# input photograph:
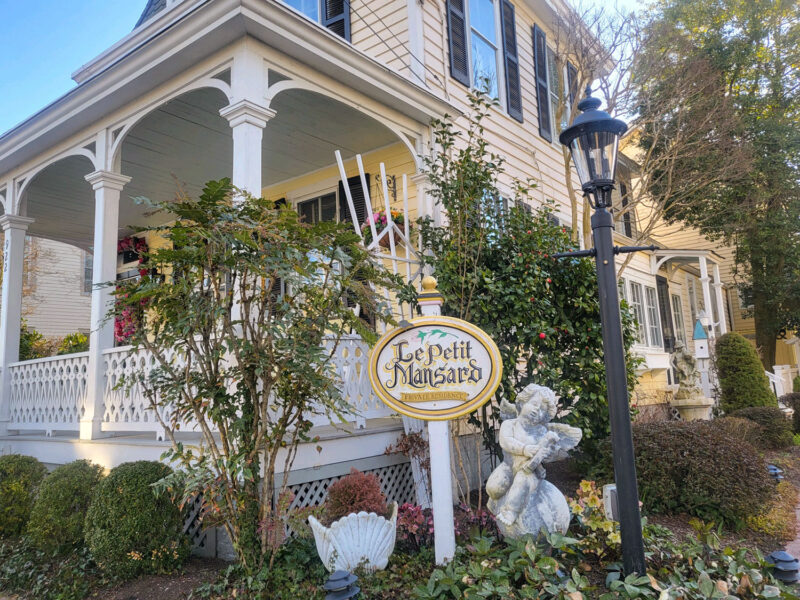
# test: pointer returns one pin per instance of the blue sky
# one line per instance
(43, 42)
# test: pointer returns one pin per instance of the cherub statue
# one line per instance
(688, 377)
(522, 501)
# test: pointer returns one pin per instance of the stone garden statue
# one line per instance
(522, 501)
(687, 375)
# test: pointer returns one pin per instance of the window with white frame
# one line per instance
(555, 82)
(677, 319)
(653, 318)
(484, 40)
(636, 303)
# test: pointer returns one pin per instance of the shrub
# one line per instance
(796, 384)
(129, 528)
(33, 344)
(32, 573)
(697, 468)
(74, 342)
(793, 401)
(743, 429)
(354, 493)
(777, 431)
(20, 477)
(742, 380)
(59, 511)
(780, 520)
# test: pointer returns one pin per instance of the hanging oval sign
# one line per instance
(436, 368)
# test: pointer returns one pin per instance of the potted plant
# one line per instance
(381, 222)
(359, 527)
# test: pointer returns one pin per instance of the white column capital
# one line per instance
(107, 179)
(420, 179)
(14, 222)
(248, 112)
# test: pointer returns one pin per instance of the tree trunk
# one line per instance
(766, 336)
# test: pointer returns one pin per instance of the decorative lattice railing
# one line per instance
(48, 393)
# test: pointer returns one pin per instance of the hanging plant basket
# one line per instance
(379, 218)
(132, 248)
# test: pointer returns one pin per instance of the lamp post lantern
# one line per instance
(593, 140)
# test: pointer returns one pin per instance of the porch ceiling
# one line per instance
(186, 143)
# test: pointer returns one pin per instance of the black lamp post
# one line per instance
(593, 140)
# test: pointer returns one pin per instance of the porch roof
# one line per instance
(682, 257)
(178, 37)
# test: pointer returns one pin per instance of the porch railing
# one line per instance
(50, 393)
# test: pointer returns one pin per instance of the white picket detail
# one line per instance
(48, 393)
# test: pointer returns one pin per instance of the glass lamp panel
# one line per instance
(598, 155)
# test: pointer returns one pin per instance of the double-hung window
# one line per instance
(552, 82)
(643, 302)
(483, 49)
(316, 210)
(333, 14)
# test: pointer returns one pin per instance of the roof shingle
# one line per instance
(153, 6)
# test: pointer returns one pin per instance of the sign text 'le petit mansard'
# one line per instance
(436, 368)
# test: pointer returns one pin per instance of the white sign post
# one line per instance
(436, 369)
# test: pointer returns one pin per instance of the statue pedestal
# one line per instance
(695, 408)
(547, 509)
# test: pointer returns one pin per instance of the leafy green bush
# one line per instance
(35, 574)
(74, 342)
(743, 429)
(793, 401)
(697, 468)
(742, 381)
(777, 431)
(20, 477)
(32, 344)
(796, 384)
(59, 511)
(129, 528)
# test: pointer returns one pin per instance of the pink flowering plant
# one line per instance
(380, 220)
(415, 526)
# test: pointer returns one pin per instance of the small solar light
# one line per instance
(341, 586)
(786, 567)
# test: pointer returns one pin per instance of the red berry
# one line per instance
(532, 298)
(529, 231)
(542, 336)
(549, 280)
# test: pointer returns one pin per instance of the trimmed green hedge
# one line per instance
(742, 380)
(793, 401)
(696, 467)
(132, 530)
(59, 512)
(20, 477)
(777, 431)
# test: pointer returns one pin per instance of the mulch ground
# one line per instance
(166, 587)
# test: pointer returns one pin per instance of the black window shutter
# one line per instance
(542, 93)
(667, 327)
(336, 17)
(280, 203)
(627, 222)
(457, 34)
(359, 200)
(572, 83)
(513, 93)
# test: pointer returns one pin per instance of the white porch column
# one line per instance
(247, 120)
(107, 188)
(719, 298)
(14, 230)
(705, 280)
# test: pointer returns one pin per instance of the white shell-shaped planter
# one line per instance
(359, 539)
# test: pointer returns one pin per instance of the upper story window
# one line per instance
(483, 49)
(333, 14)
(552, 81)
